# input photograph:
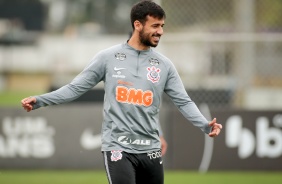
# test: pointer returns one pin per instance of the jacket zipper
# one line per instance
(138, 63)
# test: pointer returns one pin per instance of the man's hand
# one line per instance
(163, 145)
(27, 103)
(215, 128)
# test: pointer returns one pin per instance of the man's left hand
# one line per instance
(216, 128)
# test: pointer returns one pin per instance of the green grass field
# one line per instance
(171, 177)
(12, 99)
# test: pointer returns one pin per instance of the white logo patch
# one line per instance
(118, 71)
(120, 56)
(116, 155)
(133, 141)
(154, 155)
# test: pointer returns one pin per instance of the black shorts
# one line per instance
(127, 168)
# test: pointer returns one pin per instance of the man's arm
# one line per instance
(175, 90)
(163, 145)
(87, 79)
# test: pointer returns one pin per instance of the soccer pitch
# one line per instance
(171, 177)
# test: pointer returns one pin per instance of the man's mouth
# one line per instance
(156, 38)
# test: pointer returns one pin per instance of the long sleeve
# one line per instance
(86, 80)
(175, 90)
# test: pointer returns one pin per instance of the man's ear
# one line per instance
(137, 25)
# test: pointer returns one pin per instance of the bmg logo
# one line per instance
(266, 142)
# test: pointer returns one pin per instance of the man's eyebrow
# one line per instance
(156, 24)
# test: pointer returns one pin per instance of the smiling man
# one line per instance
(147, 28)
(135, 77)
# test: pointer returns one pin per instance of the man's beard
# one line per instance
(145, 39)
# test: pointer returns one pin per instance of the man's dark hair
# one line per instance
(141, 9)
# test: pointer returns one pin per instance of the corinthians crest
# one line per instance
(116, 155)
(153, 74)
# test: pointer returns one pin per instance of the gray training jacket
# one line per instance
(134, 82)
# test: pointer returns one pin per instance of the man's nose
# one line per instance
(160, 31)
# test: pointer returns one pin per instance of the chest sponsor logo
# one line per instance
(153, 74)
(118, 69)
(125, 83)
(131, 140)
(118, 72)
(120, 56)
(134, 96)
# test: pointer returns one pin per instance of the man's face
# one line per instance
(151, 32)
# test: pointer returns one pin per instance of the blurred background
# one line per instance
(227, 52)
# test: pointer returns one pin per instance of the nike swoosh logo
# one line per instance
(89, 141)
(117, 69)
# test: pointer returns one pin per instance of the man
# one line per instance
(135, 77)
